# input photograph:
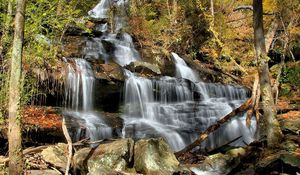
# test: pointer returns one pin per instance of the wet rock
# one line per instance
(154, 156)
(219, 163)
(288, 162)
(108, 72)
(56, 155)
(290, 122)
(144, 68)
(107, 158)
(73, 46)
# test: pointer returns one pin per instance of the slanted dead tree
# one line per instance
(204, 135)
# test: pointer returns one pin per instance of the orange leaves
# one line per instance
(42, 117)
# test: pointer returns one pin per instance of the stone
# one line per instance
(282, 161)
(56, 155)
(219, 163)
(42, 172)
(154, 156)
(108, 72)
(144, 68)
(108, 158)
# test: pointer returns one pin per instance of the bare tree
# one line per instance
(14, 130)
(271, 125)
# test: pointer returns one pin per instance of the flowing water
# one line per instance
(113, 45)
(79, 112)
(176, 108)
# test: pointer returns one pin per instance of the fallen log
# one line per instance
(214, 127)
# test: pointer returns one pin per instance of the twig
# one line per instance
(28, 151)
(70, 147)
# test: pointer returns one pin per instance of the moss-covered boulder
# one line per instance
(56, 155)
(108, 158)
(154, 156)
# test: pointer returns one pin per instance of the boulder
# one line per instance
(56, 155)
(154, 156)
(282, 161)
(108, 72)
(217, 164)
(144, 68)
(108, 158)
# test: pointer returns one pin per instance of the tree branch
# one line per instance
(204, 135)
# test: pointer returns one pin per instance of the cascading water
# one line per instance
(177, 109)
(167, 107)
(182, 69)
(79, 87)
(114, 46)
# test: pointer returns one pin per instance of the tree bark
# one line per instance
(212, 11)
(14, 130)
(271, 125)
(271, 34)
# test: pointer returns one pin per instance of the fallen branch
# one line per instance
(70, 147)
(248, 7)
(218, 149)
(27, 151)
(214, 127)
(254, 96)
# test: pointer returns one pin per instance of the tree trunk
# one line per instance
(271, 125)
(212, 11)
(271, 34)
(14, 130)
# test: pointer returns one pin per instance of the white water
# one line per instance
(167, 107)
(182, 69)
(119, 45)
(79, 87)
(177, 109)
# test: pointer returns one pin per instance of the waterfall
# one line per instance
(176, 108)
(182, 69)
(168, 107)
(114, 46)
(79, 88)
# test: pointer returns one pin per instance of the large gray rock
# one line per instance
(219, 163)
(108, 158)
(56, 155)
(154, 156)
(144, 68)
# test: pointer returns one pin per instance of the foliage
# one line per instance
(45, 25)
(290, 79)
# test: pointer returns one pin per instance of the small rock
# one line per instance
(154, 156)
(42, 172)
